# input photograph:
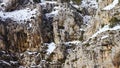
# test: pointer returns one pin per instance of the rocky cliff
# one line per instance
(50, 34)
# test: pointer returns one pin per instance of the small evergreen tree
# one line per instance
(77, 1)
(37, 1)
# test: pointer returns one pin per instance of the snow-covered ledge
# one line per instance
(19, 15)
(112, 5)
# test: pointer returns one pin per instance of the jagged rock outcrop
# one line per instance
(8, 5)
(101, 17)
(59, 35)
(20, 30)
(66, 26)
(99, 51)
(8, 60)
(101, 47)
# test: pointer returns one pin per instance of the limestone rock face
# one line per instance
(66, 27)
(47, 20)
(102, 17)
(59, 35)
(101, 46)
(7, 5)
(20, 30)
(8, 60)
(19, 33)
(99, 51)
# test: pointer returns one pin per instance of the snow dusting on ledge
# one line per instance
(89, 4)
(76, 42)
(112, 5)
(19, 15)
(106, 36)
(105, 28)
(50, 2)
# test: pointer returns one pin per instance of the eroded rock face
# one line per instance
(66, 27)
(19, 33)
(8, 5)
(101, 17)
(8, 60)
(59, 35)
(46, 25)
(100, 51)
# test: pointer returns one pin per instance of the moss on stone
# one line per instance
(102, 25)
(62, 60)
(87, 44)
(50, 57)
(36, 1)
(114, 21)
(74, 59)
(81, 38)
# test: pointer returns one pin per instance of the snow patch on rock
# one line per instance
(89, 4)
(105, 28)
(52, 14)
(14, 62)
(106, 36)
(30, 53)
(2, 61)
(73, 42)
(19, 15)
(86, 19)
(46, 2)
(51, 48)
(112, 5)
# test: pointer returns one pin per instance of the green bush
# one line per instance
(114, 21)
(74, 60)
(102, 25)
(36, 1)
(77, 1)
(62, 60)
